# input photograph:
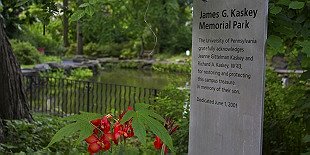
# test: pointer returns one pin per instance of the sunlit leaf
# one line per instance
(77, 15)
(296, 5)
(275, 10)
(275, 42)
(305, 47)
(90, 10)
(284, 2)
(84, 5)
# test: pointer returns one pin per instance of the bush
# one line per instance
(122, 50)
(33, 34)
(26, 53)
(81, 74)
(282, 134)
(22, 136)
(173, 102)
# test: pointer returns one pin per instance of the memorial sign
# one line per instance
(228, 63)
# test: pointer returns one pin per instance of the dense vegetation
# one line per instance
(114, 28)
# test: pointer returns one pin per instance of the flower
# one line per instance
(120, 130)
(95, 144)
(158, 143)
(103, 124)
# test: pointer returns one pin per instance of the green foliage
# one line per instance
(289, 30)
(92, 49)
(76, 74)
(122, 50)
(174, 102)
(144, 118)
(26, 53)
(281, 133)
(171, 100)
(81, 74)
(33, 34)
(22, 136)
(49, 58)
(81, 125)
(58, 73)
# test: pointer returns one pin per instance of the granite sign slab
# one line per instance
(228, 66)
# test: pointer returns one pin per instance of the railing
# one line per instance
(62, 97)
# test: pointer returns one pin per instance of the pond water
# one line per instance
(142, 78)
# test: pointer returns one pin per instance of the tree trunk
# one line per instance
(79, 36)
(65, 23)
(13, 103)
(44, 29)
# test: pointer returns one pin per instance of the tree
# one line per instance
(65, 23)
(13, 103)
(79, 36)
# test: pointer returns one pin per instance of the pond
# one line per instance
(142, 78)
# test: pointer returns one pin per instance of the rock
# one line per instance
(108, 60)
(279, 62)
(79, 58)
(54, 65)
(29, 72)
(42, 67)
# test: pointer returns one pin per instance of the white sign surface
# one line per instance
(228, 63)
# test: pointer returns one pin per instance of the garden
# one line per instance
(113, 77)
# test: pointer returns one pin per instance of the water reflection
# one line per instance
(142, 78)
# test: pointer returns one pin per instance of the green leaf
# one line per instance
(306, 139)
(139, 130)
(90, 10)
(20, 3)
(80, 123)
(158, 129)
(84, 116)
(142, 106)
(1, 6)
(305, 47)
(93, 1)
(275, 10)
(84, 5)
(284, 2)
(153, 114)
(86, 132)
(296, 5)
(274, 42)
(63, 132)
(129, 114)
(77, 15)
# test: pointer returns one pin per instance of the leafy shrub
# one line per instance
(173, 102)
(71, 50)
(282, 135)
(26, 53)
(22, 136)
(92, 49)
(81, 74)
(33, 34)
(76, 74)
